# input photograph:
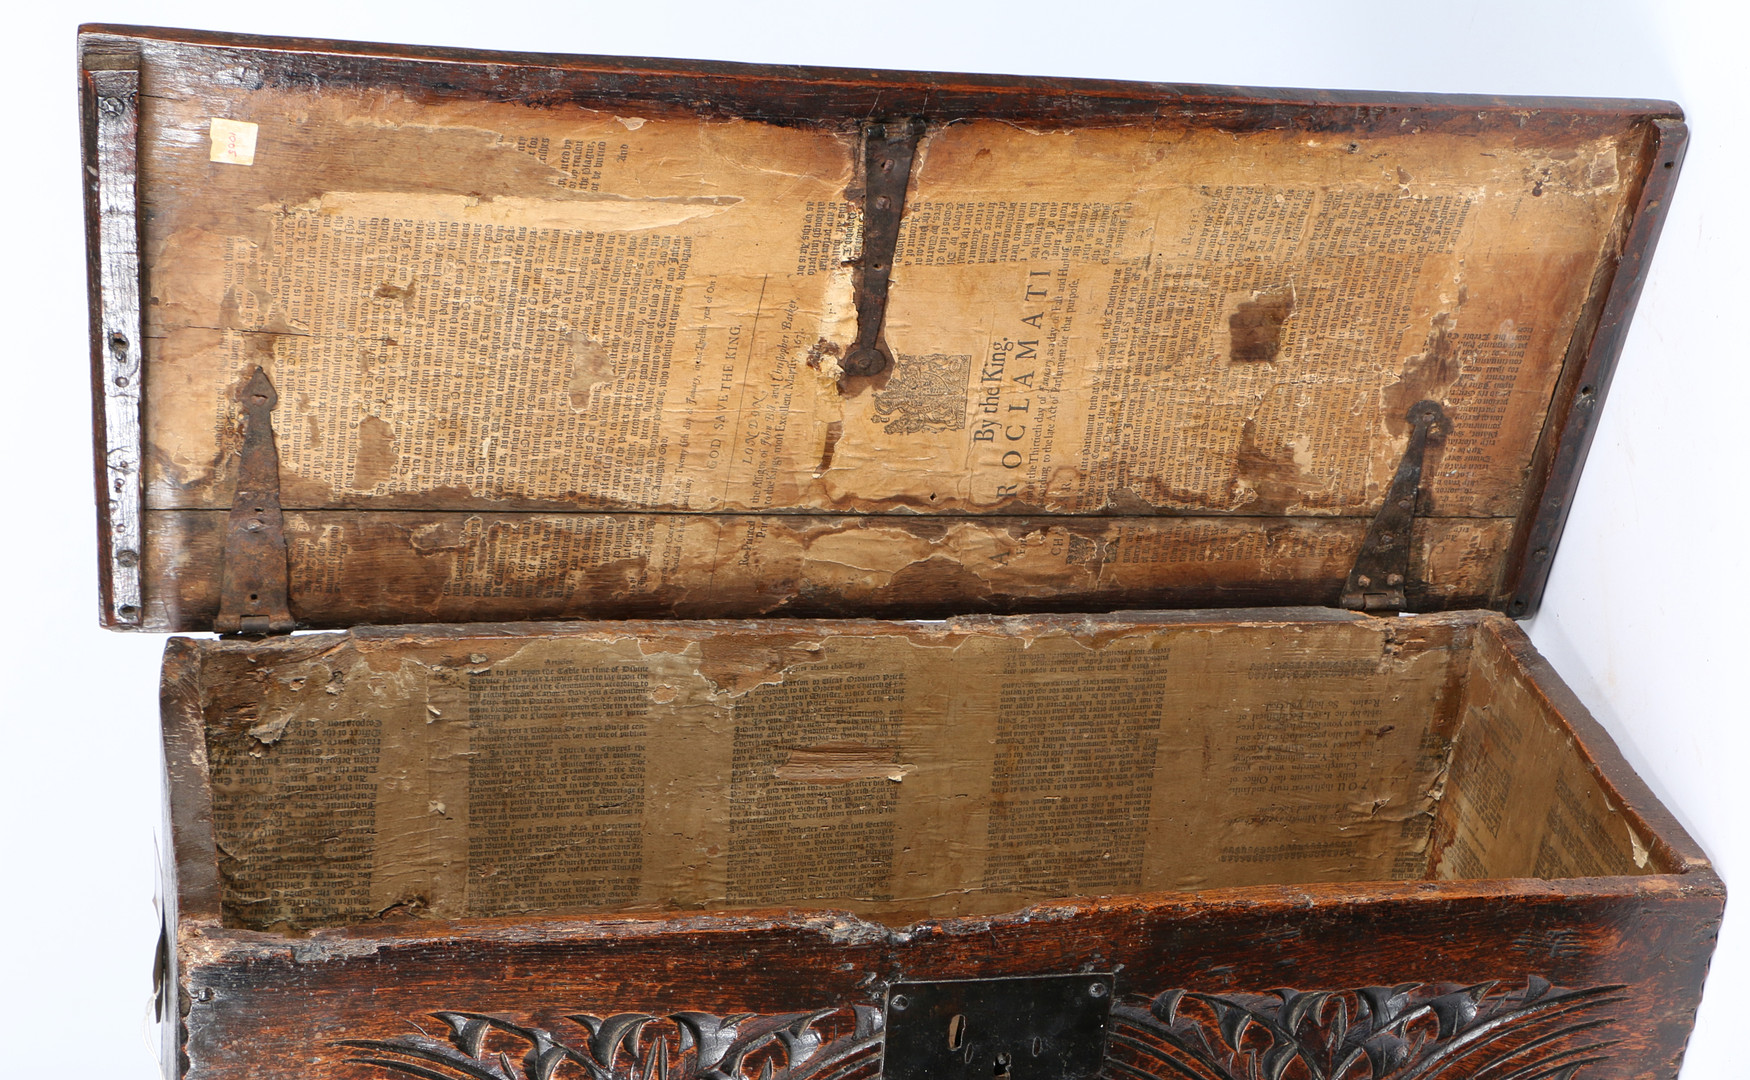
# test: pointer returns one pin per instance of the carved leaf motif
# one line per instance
(638, 1046)
(606, 1037)
(1411, 1031)
(467, 1032)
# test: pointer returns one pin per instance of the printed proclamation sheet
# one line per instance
(539, 334)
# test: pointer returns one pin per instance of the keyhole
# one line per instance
(957, 1031)
(1038, 1046)
(1002, 1065)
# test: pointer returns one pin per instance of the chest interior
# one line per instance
(897, 770)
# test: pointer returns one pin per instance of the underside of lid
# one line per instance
(560, 337)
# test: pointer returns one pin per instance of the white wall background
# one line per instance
(1645, 614)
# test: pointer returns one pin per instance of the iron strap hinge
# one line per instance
(888, 150)
(1382, 569)
(253, 588)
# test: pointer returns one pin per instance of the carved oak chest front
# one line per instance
(839, 574)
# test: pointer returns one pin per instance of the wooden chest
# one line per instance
(977, 523)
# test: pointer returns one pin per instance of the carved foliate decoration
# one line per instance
(1411, 1031)
(840, 1044)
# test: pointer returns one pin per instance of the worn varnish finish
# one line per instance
(1612, 166)
(363, 985)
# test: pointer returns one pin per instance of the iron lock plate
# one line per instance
(1045, 1027)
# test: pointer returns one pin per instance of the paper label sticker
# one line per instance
(233, 141)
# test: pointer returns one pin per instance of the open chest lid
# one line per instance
(387, 334)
